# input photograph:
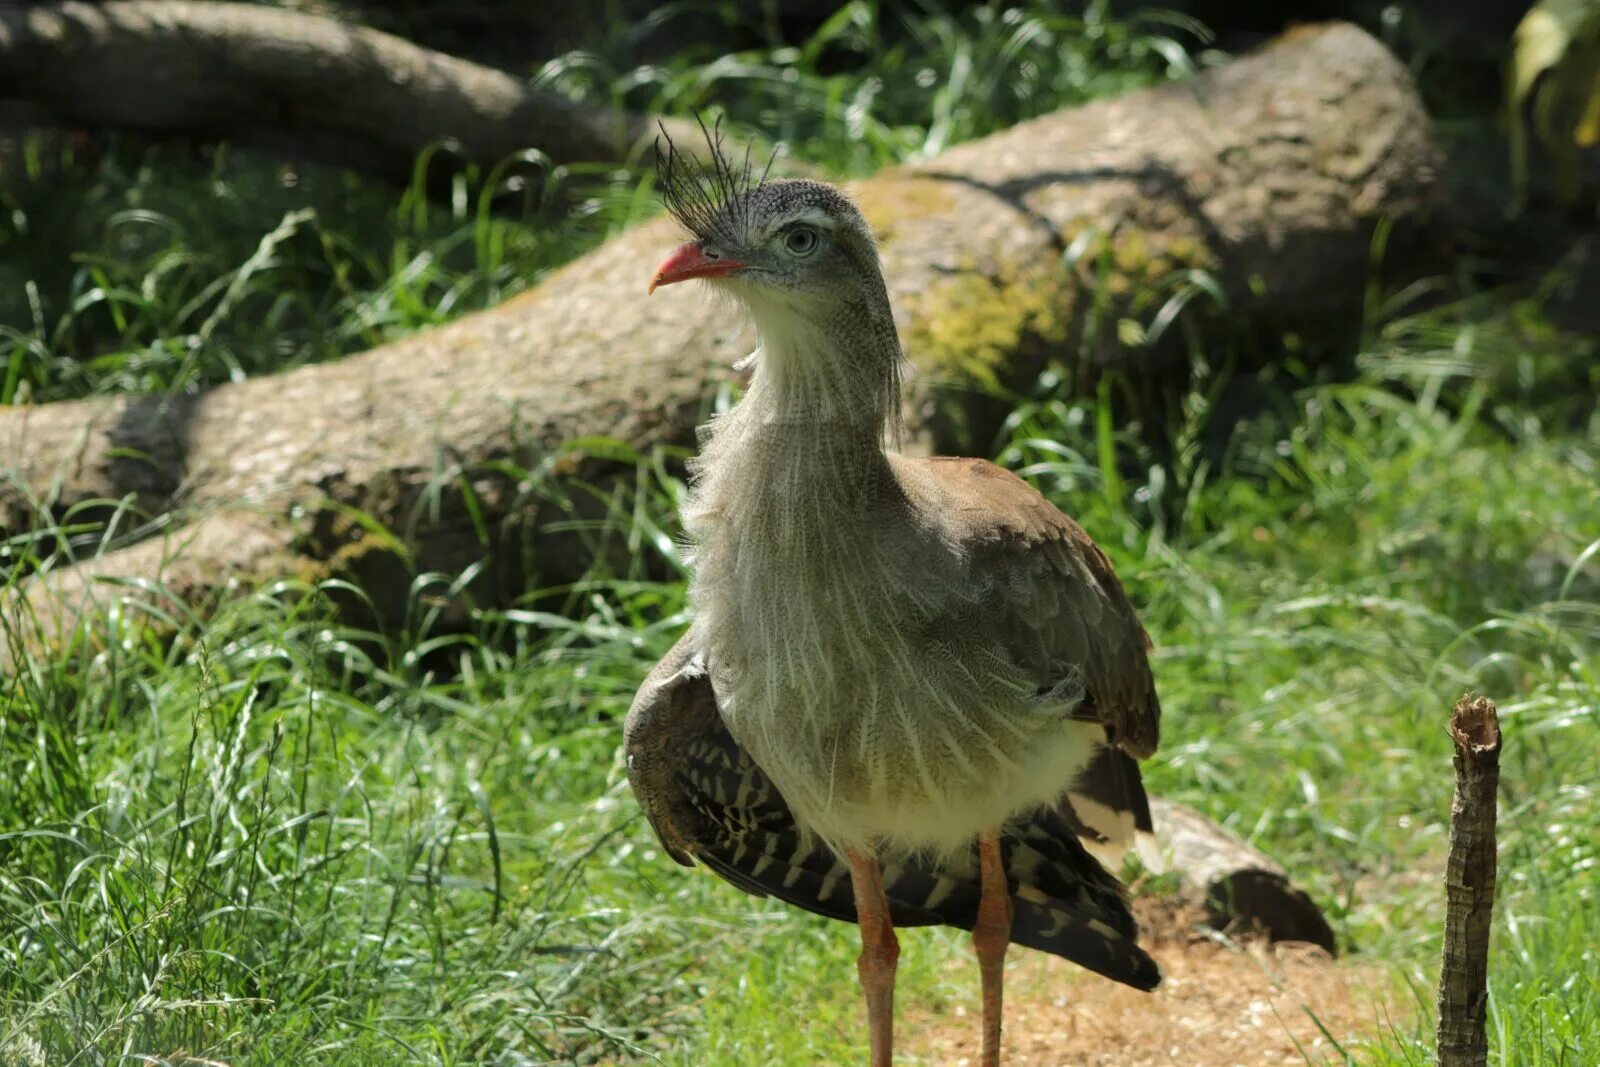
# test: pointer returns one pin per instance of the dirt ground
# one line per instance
(1221, 1005)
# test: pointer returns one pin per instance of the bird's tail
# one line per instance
(1065, 903)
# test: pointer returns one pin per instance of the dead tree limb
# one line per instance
(1238, 886)
(1270, 174)
(310, 86)
(1469, 884)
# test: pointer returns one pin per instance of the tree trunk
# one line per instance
(309, 86)
(1270, 174)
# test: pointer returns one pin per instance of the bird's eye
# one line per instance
(801, 241)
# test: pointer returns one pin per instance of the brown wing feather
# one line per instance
(1058, 600)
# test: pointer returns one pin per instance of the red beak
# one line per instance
(691, 261)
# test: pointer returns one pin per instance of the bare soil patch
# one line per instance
(1222, 1004)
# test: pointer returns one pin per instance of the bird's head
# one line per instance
(798, 255)
(791, 240)
(769, 243)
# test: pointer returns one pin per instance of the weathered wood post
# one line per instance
(1469, 884)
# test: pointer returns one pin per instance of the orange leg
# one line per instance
(990, 936)
(879, 953)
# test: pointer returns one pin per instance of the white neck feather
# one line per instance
(789, 482)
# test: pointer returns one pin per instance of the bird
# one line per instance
(912, 691)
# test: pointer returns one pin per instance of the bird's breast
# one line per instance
(881, 705)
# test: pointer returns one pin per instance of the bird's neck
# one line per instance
(824, 397)
(792, 493)
(840, 370)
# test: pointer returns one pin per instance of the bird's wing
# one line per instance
(1048, 590)
(1051, 594)
(708, 801)
(673, 709)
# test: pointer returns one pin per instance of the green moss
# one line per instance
(890, 198)
(972, 324)
(1135, 264)
(1140, 260)
(303, 569)
(1130, 252)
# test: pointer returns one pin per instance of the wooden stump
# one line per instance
(1469, 884)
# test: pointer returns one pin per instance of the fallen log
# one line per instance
(302, 84)
(1270, 174)
(1237, 887)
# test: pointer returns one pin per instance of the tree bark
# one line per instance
(306, 85)
(1270, 174)
(1469, 884)
(1238, 886)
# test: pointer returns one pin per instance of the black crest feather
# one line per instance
(711, 202)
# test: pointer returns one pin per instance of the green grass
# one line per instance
(271, 838)
(131, 268)
(870, 88)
